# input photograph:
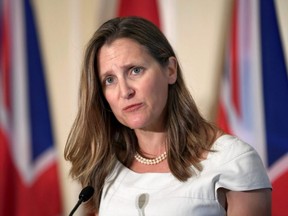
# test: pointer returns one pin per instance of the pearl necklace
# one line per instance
(153, 161)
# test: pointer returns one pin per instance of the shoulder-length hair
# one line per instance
(97, 140)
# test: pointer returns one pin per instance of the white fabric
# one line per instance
(235, 166)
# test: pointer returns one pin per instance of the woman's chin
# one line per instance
(135, 125)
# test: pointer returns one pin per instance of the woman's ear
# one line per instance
(172, 70)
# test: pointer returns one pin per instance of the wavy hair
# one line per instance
(97, 140)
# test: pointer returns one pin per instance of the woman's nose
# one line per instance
(126, 90)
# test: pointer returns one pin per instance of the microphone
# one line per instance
(84, 195)
(141, 203)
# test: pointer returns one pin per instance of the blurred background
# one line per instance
(234, 54)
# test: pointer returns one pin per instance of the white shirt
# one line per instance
(235, 166)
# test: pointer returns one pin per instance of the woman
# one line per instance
(141, 142)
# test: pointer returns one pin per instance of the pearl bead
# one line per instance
(153, 161)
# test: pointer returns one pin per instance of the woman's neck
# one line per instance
(151, 143)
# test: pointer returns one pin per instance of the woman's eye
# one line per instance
(137, 70)
(108, 80)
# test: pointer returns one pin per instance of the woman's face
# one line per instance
(134, 84)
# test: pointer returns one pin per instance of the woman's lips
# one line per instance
(132, 107)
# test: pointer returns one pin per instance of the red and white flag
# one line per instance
(28, 170)
(160, 12)
(147, 9)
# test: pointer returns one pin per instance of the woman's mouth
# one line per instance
(133, 107)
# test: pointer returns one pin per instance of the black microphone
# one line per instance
(84, 195)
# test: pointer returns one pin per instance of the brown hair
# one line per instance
(97, 140)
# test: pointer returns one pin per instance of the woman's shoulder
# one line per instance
(231, 151)
(237, 165)
(228, 147)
